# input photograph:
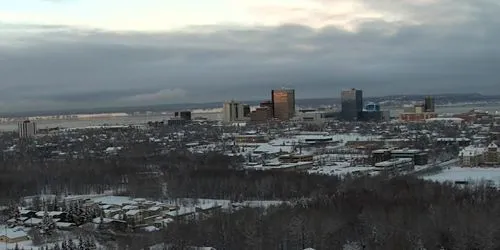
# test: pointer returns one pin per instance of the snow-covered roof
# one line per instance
(33, 221)
(133, 212)
(150, 229)
(182, 211)
(206, 206)
(472, 151)
(51, 213)
(12, 233)
(154, 209)
(114, 200)
(64, 224)
(451, 119)
(273, 149)
(492, 145)
(130, 207)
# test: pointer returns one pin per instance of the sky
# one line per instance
(65, 54)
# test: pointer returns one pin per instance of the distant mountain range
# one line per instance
(311, 102)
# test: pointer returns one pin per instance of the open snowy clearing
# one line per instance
(459, 174)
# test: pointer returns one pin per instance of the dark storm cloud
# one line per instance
(64, 67)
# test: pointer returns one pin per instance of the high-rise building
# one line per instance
(26, 129)
(352, 104)
(185, 115)
(419, 112)
(283, 103)
(246, 110)
(429, 105)
(233, 111)
(263, 113)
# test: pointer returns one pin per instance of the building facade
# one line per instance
(352, 104)
(283, 103)
(26, 129)
(471, 156)
(429, 105)
(419, 112)
(185, 115)
(492, 155)
(233, 111)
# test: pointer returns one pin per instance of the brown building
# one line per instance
(492, 155)
(429, 105)
(419, 112)
(417, 117)
(475, 116)
(283, 103)
(261, 114)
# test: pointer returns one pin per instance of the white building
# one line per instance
(26, 129)
(472, 156)
(233, 111)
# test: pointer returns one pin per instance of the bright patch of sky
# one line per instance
(160, 15)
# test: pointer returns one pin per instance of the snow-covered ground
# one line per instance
(21, 245)
(454, 174)
(188, 202)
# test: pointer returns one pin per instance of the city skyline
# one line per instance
(88, 54)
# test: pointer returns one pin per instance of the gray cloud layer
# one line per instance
(45, 67)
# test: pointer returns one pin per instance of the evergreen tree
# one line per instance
(64, 245)
(14, 212)
(81, 243)
(71, 245)
(92, 244)
(36, 203)
(89, 244)
(55, 204)
(48, 225)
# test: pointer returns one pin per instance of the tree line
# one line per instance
(370, 213)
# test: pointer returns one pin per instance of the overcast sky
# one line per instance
(57, 54)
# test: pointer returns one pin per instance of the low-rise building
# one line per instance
(472, 156)
(135, 216)
(419, 157)
(462, 142)
(295, 158)
(396, 165)
(12, 235)
(492, 155)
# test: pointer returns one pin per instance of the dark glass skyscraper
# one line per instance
(352, 104)
(429, 104)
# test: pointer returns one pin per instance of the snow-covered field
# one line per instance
(454, 174)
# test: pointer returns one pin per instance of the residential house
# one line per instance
(185, 213)
(162, 222)
(208, 209)
(12, 235)
(33, 222)
(135, 216)
(65, 225)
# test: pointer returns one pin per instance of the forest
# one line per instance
(368, 213)
(326, 212)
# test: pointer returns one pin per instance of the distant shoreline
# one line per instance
(459, 101)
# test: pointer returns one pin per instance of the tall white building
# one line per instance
(26, 129)
(233, 111)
